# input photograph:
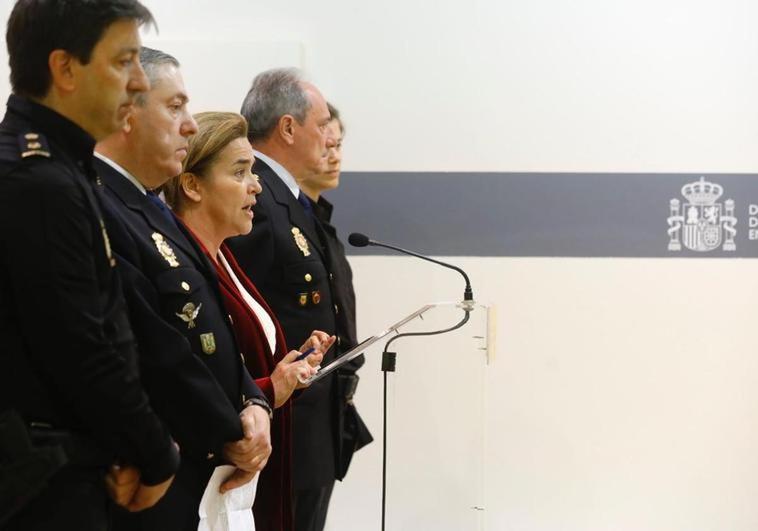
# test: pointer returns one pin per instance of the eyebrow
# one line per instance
(242, 161)
(182, 96)
(130, 50)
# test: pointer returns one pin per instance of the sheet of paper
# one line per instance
(231, 511)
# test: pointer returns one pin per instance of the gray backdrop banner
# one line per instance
(552, 214)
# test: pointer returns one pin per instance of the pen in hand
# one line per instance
(305, 354)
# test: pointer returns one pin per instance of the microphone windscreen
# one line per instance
(357, 239)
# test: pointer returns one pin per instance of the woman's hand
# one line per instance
(320, 342)
(289, 374)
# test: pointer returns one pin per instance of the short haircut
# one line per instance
(215, 131)
(152, 60)
(274, 93)
(334, 113)
(38, 27)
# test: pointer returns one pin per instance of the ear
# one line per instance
(128, 123)
(286, 129)
(191, 187)
(63, 68)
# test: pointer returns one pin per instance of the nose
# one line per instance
(138, 81)
(189, 126)
(255, 185)
(330, 142)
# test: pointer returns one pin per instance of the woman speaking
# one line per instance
(214, 197)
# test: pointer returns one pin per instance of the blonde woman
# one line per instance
(214, 197)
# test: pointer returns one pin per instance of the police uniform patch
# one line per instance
(189, 314)
(303, 299)
(33, 144)
(300, 241)
(165, 249)
(208, 342)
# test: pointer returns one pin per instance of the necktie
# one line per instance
(154, 199)
(303, 200)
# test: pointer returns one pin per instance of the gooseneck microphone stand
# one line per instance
(389, 359)
(357, 239)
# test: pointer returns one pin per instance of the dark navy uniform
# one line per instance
(68, 360)
(286, 257)
(352, 433)
(191, 365)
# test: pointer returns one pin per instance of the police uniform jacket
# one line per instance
(342, 279)
(190, 361)
(68, 357)
(284, 258)
(351, 432)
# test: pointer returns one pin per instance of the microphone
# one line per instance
(356, 239)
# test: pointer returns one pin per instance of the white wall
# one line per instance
(623, 394)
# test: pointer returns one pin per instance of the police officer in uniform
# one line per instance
(285, 257)
(352, 433)
(191, 364)
(68, 370)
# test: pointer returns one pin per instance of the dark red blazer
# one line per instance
(273, 502)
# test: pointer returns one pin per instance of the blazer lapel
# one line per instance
(136, 201)
(282, 195)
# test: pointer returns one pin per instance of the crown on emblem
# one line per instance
(702, 192)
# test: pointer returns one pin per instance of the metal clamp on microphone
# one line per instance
(356, 239)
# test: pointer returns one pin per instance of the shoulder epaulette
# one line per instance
(33, 145)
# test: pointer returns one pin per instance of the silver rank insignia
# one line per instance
(208, 342)
(165, 249)
(32, 144)
(300, 241)
(189, 313)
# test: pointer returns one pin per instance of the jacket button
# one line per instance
(231, 321)
(339, 341)
(336, 309)
(308, 277)
(185, 286)
(331, 276)
(210, 456)
(243, 361)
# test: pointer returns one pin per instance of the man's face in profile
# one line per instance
(106, 86)
(161, 127)
(311, 136)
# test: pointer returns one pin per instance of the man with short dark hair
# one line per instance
(285, 257)
(190, 359)
(68, 365)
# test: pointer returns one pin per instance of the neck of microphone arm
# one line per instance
(468, 294)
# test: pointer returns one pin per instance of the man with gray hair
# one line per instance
(286, 257)
(189, 355)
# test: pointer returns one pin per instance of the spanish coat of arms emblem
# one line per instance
(702, 223)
